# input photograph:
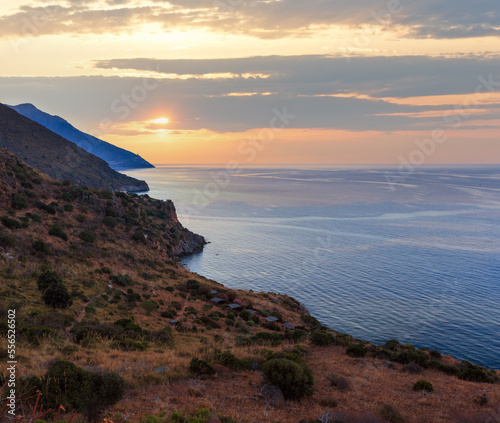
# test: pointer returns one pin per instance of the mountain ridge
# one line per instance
(116, 157)
(57, 157)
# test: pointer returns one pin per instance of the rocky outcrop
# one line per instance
(190, 243)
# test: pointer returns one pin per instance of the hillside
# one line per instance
(58, 157)
(117, 158)
(95, 281)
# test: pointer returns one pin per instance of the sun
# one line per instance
(161, 121)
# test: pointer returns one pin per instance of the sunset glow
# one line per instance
(161, 121)
(157, 77)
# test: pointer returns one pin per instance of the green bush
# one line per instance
(435, 354)
(7, 240)
(34, 217)
(40, 246)
(445, 368)
(110, 222)
(76, 389)
(87, 236)
(127, 344)
(228, 359)
(68, 207)
(129, 324)
(200, 367)
(423, 385)
(57, 296)
(168, 314)
(122, 280)
(48, 278)
(57, 230)
(149, 306)
(19, 201)
(263, 338)
(138, 236)
(321, 338)
(392, 345)
(293, 377)
(193, 284)
(11, 223)
(356, 350)
(49, 208)
(297, 335)
(474, 373)
(413, 356)
(80, 218)
(391, 414)
(33, 334)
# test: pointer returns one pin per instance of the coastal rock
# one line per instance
(190, 243)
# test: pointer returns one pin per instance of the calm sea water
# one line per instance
(370, 252)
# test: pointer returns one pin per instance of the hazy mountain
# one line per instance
(58, 157)
(117, 158)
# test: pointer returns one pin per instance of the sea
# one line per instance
(377, 252)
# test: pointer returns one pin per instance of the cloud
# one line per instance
(364, 94)
(261, 18)
(397, 76)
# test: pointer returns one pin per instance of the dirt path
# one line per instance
(80, 314)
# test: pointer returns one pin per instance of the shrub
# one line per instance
(33, 334)
(57, 296)
(46, 279)
(57, 230)
(34, 217)
(19, 201)
(122, 280)
(87, 236)
(149, 306)
(298, 335)
(475, 374)
(271, 326)
(228, 359)
(68, 207)
(82, 331)
(328, 402)
(110, 222)
(293, 377)
(7, 240)
(49, 208)
(201, 367)
(168, 314)
(80, 218)
(40, 246)
(273, 339)
(127, 344)
(339, 382)
(423, 385)
(414, 356)
(129, 325)
(89, 393)
(321, 338)
(445, 368)
(435, 354)
(356, 350)
(138, 236)
(11, 223)
(193, 284)
(391, 414)
(392, 345)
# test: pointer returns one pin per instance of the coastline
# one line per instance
(424, 339)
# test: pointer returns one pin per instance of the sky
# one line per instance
(407, 82)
